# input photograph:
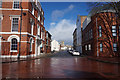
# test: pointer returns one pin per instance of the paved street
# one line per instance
(61, 65)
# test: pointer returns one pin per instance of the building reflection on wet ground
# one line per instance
(60, 67)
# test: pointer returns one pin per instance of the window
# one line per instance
(32, 26)
(119, 30)
(114, 31)
(0, 3)
(0, 23)
(100, 31)
(14, 44)
(15, 24)
(31, 45)
(89, 46)
(16, 4)
(86, 47)
(32, 10)
(38, 30)
(39, 16)
(91, 33)
(41, 33)
(101, 47)
(114, 47)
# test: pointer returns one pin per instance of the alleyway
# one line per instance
(61, 65)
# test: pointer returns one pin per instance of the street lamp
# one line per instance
(20, 29)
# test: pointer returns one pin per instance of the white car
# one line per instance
(75, 53)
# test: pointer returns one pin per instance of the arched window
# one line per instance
(14, 44)
(31, 45)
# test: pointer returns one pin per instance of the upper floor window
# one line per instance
(0, 22)
(0, 3)
(38, 30)
(16, 4)
(39, 16)
(100, 31)
(114, 31)
(15, 24)
(32, 27)
(32, 10)
(101, 47)
(114, 47)
(14, 44)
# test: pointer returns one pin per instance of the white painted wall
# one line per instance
(79, 34)
(55, 45)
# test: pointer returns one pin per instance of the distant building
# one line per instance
(48, 42)
(55, 46)
(79, 25)
(75, 39)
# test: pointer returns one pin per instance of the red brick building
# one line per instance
(33, 33)
(101, 36)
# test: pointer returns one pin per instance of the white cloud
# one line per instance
(58, 14)
(63, 31)
(52, 24)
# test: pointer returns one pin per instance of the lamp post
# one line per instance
(20, 30)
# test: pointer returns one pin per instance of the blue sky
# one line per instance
(60, 18)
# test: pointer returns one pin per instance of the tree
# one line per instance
(100, 6)
(106, 21)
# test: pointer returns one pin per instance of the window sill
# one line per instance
(13, 51)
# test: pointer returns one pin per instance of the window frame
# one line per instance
(115, 47)
(38, 30)
(14, 44)
(12, 24)
(100, 31)
(31, 40)
(101, 47)
(14, 5)
(114, 30)
(89, 47)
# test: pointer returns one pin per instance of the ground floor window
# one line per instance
(89, 46)
(114, 47)
(14, 44)
(31, 45)
(86, 47)
(101, 47)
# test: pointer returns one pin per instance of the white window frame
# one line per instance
(11, 45)
(12, 24)
(13, 4)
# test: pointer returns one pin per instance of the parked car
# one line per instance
(76, 53)
(71, 51)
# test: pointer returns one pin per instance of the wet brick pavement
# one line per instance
(61, 65)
